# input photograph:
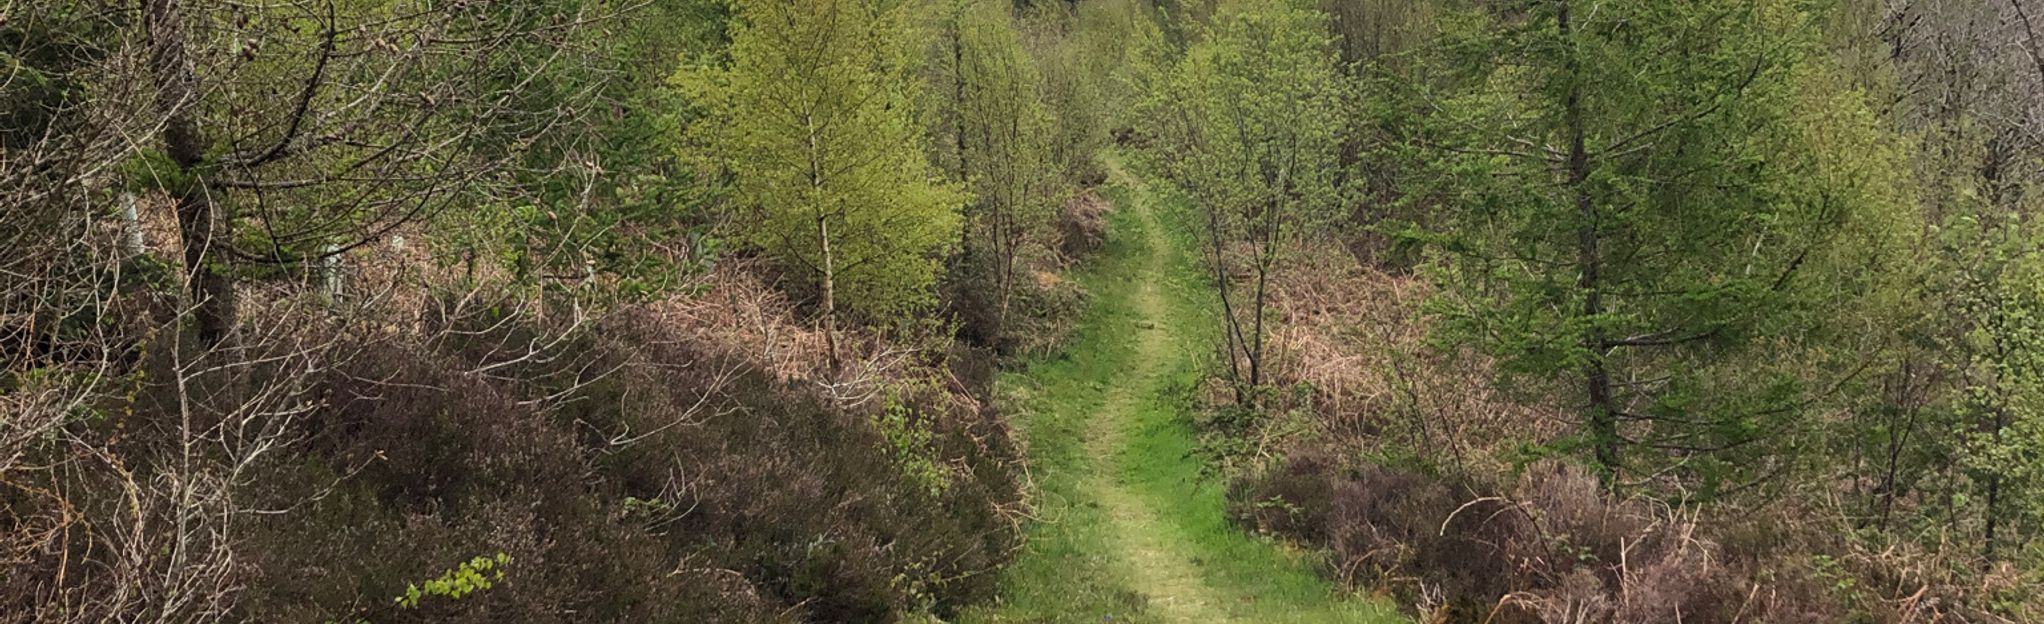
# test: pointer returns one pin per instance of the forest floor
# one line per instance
(1129, 528)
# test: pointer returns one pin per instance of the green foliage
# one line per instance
(1250, 119)
(1079, 51)
(47, 53)
(1008, 128)
(813, 118)
(618, 202)
(1662, 207)
(1841, 583)
(646, 507)
(1248, 122)
(152, 170)
(1000, 140)
(474, 575)
(909, 442)
(1991, 286)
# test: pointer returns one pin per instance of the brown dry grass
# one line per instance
(1550, 546)
(740, 316)
(1082, 225)
(1357, 336)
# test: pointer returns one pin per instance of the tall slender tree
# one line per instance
(814, 119)
(1251, 121)
(1004, 141)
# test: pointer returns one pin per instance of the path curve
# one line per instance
(1127, 530)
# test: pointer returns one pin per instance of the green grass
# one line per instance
(1127, 531)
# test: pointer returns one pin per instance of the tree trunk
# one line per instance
(1897, 441)
(1255, 347)
(816, 184)
(1265, 263)
(1603, 417)
(1011, 236)
(829, 293)
(1993, 519)
(1996, 423)
(1230, 326)
(1004, 256)
(201, 226)
(958, 88)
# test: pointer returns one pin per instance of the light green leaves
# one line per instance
(814, 119)
(474, 575)
(1258, 110)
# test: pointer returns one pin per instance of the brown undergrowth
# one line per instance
(689, 460)
(1420, 476)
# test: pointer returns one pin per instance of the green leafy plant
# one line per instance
(909, 442)
(474, 575)
(646, 507)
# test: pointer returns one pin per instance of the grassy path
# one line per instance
(1127, 530)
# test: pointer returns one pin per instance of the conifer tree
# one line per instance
(1647, 204)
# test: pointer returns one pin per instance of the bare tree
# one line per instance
(139, 422)
(294, 132)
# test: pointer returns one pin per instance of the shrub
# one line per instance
(1551, 549)
(627, 470)
(1082, 226)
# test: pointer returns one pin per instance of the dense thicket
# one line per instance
(521, 311)
(1526, 311)
(1623, 311)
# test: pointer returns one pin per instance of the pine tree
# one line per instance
(1647, 203)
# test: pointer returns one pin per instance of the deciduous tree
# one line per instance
(1252, 116)
(1004, 135)
(814, 119)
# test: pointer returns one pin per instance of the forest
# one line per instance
(1022, 311)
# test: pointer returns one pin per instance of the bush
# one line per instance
(1082, 226)
(626, 471)
(1551, 549)
(1043, 307)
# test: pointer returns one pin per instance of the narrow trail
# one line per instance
(1175, 590)
(1127, 529)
